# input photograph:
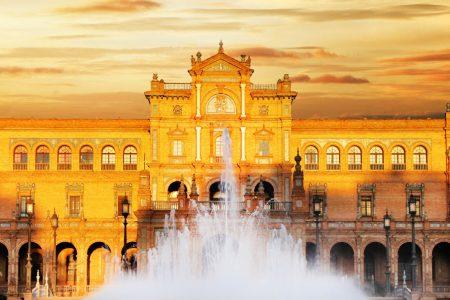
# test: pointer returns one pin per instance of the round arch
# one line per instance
(36, 254)
(173, 187)
(98, 263)
(66, 257)
(404, 263)
(375, 266)
(269, 190)
(4, 259)
(342, 258)
(441, 264)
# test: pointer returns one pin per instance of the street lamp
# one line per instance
(412, 213)
(317, 210)
(125, 213)
(30, 213)
(387, 227)
(55, 224)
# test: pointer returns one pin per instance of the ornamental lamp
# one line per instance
(317, 205)
(387, 221)
(412, 205)
(125, 207)
(54, 220)
(30, 207)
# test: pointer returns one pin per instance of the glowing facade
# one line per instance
(83, 169)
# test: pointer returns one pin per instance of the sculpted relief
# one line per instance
(220, 104)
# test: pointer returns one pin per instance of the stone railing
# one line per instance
(177, 86)
(441, 289)
(66, 290)
(264, 86)
(163, 205)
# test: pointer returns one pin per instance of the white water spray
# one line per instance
(225, 255)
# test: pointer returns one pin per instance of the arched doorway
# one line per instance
(36, 263)
(441, 266)
(3, 264)
(342, 259)
(172, 190)
(98, 261)
(269, 191)
(217, 191)
(375, 267)
(310, 252)
(66, 254)
(129, 256)
(404, 264)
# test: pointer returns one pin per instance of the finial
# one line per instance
(199, 56)
(182, 188)
(248, 186)
(155, 76)
(194, 191)
(220, 47)
(261, 190)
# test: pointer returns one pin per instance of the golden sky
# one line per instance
(348, 58)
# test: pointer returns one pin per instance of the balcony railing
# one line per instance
(441, 288)
(20, 166)
(264, 86)
(163, 205)
(354, 167)
(177, 86)
(420, 167)
(64, 166)
(66, 290)
(398, 167)
(130, 167)
(219, 205)
(333, 167)
(108, 167)
(311, 167)
(42, 166)
(376, 166)
(279, 206)
(86, 167)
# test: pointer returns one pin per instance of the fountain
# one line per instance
(222, 254)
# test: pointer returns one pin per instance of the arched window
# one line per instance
(42, 158)
(20, 159)
(420, 158)
(376, 158)
(108, 158)
(333, 158)
(130, 158)
(398, 158)
(64, 158)
(354, 158)
(86, 158)
(177, 148)
(219, 148)
(311, 158)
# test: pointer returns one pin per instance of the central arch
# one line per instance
(404, 264)
(342, 259)
(98, 258)
(375, 266)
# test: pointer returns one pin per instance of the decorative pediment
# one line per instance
(177, 132)
(264, 132)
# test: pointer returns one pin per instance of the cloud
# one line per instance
(22, 70)
(328, 78)
(435, 74)
(167, 24)
(266, 52)
(443, 55)
(401, 12)
(73, 36)
(111, 6)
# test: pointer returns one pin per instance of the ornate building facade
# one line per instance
(83, 169)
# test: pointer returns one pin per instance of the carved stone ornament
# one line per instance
(263, 110)
(177, 110)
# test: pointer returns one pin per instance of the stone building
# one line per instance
(83, 169)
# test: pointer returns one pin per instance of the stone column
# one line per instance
(198, 156)
(243, 158)
(81, 271)
(198, 87)
(286, 146)
(243, 100)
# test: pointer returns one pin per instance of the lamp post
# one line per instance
(55, 224)
(125, 213)
(412, 213)
(317, 210)
(387, 227)
(30, 213)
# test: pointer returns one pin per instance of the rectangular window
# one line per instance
(264, 149)
(74, 206)
(23, 205)
(177, 148)
(366, 205)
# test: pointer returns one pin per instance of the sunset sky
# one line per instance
(95, 58)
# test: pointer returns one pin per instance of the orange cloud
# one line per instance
(21, 70)
(438, 74)
(266, 52)
(115, 6)
(443, 55)
(328, 78)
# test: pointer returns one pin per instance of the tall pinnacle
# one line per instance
(220, 47)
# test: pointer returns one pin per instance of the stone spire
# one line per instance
(182, 188)
(298, 174)
(248, 186)
(194, 190)
(261, 190)
(298, 168)
(220, 47)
